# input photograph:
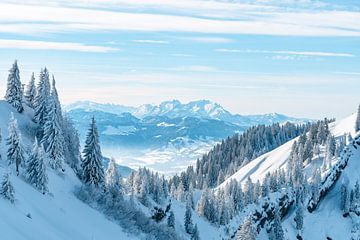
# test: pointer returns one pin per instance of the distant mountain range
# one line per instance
(166, 129)
(175, 109)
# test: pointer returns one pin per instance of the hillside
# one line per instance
(57, 215)
(327, 220)
(277, 158)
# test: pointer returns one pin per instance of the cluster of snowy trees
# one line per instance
(350, 199)
(55, 132)
(222, 205)
(236, 151)
(49, 146)
(108, 192)
(145, 184)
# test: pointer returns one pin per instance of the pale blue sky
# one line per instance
(300, 58)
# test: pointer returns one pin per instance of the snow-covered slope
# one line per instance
(57, 215)
(327, 221)
(276, 159)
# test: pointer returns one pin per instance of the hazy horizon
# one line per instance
(299, 58)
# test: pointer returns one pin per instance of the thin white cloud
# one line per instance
(15, 18)
(299, 53)
(181, 55)
(150, 41)
(209, 39)
(63, 46)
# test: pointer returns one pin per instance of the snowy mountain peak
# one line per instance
(174, 108)
(94, 106)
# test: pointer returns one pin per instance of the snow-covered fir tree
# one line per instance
(299, 218)
(195, 235)
(72, 151)
(36, 168)
(30, 92)
(171, 220)
(277, 232)
(41, 101)
(357, 123)
(6, 188)
(188, 223)
(15, 151)
(53, 138)
(93, 172)
(114, 183)
(14, 94)
(247, 230)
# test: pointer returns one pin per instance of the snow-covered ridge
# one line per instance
(277, 159)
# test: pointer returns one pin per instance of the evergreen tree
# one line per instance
(195, 234)
(15, 152)
(72, 144)
(316, 181)
(30, 92)
(343, 192)
(171, 220)
(247, 230)
(357, 124)
(41, 100)
(14, 94)
(36, 169)
(308, 153)
(330, 146)
(93, 172)
(347, 203)
(7, 190)
(113, 181)
(53, 138)
(188, 224)
(299, 218)
(277, 231)
(249, 191)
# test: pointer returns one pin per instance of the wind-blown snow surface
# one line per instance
(277, 158)
(57, 215)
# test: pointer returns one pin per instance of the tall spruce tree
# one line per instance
(30, 92)
(72, 144)
(14, 94)
(195, 234)
(299, 218)
(93, 172)
(277, 232)
(15, 151)
(171, 220)
(41, 101)
(188, 224)
(357, 124)
(36, 169)
(6, 188)
(53, 138)
(247, 230)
